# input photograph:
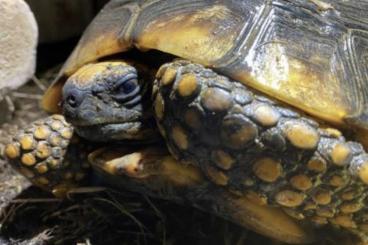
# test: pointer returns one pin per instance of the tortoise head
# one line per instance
(109, 101)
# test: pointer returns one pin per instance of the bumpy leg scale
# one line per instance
(260, 148)
(48, 155)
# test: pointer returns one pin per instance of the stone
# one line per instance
(18, 41)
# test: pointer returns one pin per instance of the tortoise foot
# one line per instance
(49, 155)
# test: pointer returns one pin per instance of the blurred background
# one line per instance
(60, 23)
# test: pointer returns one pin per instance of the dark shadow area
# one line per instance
(112, 217)
(52, 54)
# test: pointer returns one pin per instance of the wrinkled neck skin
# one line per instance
(109, 102)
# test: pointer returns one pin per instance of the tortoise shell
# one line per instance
(309, 54)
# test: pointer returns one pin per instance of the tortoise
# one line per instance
(259, 111)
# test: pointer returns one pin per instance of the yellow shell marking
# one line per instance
(27, 142)
(222, 159)
(322, 197)
(217, 176)
(325, 212)
(267, 169)
(363, 172)
(344, 221)
(244, 135)
(180, 137)
(41, 168)
(352, 207)
(187, 85)
(55, 140)
(340, 154)
(28, 159)
(301, 182)
(41, 132)
(215, 99)
(317, 165)
(56, 125)
(66, 133)
(168, 77)
(54, 163)
(310, 206)
(337, 181)
(12, 151)
(349, 195)
(333, 132)
(288, 198)
(58, 117)
(266, 115)
(43, 150)
(159, 107)
(244, 132)
(302, 135)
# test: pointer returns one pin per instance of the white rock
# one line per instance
(18, 41)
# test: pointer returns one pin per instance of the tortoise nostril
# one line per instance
(73, 97)
(72, 101)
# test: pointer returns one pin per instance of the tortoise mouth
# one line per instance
(99, 123)
(107, 132)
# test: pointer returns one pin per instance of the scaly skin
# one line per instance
(258, 148)
(49, 155)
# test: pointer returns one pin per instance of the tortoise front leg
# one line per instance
(153, 171)
(261, 149)
(49, 155)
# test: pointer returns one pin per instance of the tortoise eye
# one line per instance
(126, 89)
(128, 86)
